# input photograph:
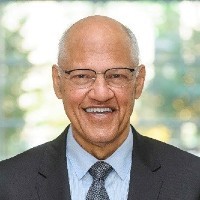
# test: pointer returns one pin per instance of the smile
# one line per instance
(98, 110)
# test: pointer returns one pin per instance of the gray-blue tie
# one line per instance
(99, 171)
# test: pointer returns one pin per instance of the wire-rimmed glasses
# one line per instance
(84, 78)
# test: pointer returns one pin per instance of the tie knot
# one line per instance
(100, 170)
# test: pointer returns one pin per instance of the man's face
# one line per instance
(100, 114)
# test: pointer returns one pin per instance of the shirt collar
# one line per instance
(81, 160)
(121, 159)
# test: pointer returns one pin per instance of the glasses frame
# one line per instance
(69, 71)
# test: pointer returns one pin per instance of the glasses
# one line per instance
(84, 78)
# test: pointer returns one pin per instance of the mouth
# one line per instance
(99, 110)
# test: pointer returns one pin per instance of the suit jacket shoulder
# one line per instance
(172, 157)
(161, 171)
(39, 173)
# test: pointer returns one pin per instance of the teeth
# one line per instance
(98, 110)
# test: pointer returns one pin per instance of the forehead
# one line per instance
(98, 40)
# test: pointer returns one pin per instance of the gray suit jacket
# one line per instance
(159, 171)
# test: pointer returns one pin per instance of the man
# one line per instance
(100, 156)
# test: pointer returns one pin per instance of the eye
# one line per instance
(81, 76)
(116, 76)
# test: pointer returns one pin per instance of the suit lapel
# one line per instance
(52, 180)
(53, 183)
(145, 182)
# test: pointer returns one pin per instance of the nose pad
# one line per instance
(100, 90)
(100, 77)
(99, 80)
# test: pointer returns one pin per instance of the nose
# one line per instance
(100, 90)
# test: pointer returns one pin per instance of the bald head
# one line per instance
(100, 30)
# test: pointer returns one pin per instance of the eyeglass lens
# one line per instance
(114, 77)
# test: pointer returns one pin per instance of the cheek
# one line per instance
(72, 100)
(129, 103)
(126, 97)
(126, 102)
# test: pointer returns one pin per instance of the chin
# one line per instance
(102, 139)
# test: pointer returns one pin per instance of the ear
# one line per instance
(140, 78)
(56, 81)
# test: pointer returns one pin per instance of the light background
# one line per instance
(44, 23)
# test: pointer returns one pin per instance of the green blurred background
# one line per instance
(168, 33)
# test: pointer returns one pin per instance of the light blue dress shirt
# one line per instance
(79, 162)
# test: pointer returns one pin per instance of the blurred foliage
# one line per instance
(174, 92)
(14, 65)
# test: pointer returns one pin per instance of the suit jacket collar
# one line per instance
(145, 182)
(52, 174)
(52, 180)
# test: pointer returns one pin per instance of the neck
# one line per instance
(101, 151)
